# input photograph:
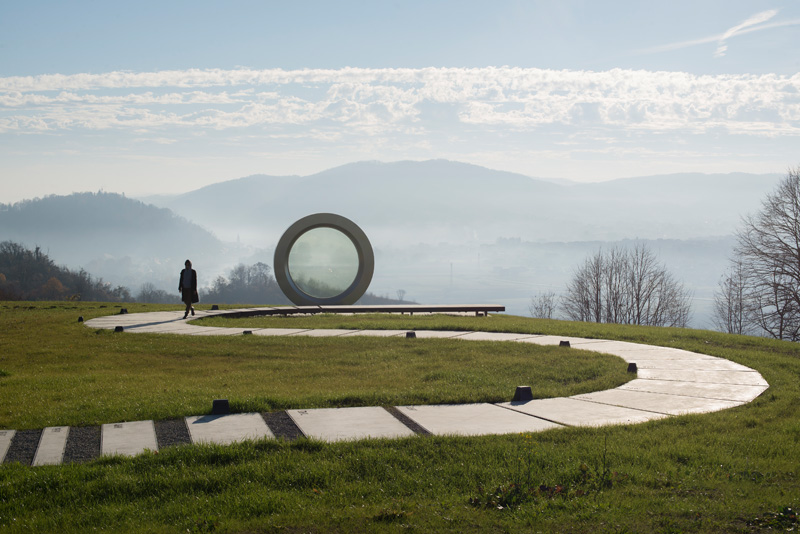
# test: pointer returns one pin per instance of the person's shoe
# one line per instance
(192, 312)
(185, 315)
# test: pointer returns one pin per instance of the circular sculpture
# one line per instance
(324, 259)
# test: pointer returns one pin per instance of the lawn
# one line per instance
(730, 471)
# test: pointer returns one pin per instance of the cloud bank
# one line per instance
(403, 101)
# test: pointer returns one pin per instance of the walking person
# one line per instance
(187, 286)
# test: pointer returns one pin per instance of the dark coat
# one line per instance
(194, 280)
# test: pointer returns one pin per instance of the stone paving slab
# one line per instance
(378, 333)
(278, 331)
(645, 352)
(128, 439)
(208, 331)
(325, 332)
(227, 331)
(732, 392)
(746, 378)
(574, 412)
(227, 429)
(610, 347)
(473, 419)
(5, 442)
(438, 334)
(554, 340)
(495, 336)
(177, 327)
(657, 402)
(51, 447)
(698, 365)
(339, 424)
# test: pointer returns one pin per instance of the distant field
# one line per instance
(730, 471)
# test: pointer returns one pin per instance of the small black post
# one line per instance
(522, 394)
(220, 407)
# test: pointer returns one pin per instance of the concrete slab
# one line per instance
(745, 378)
(657, 402)
(732, 392)
(437, 334)
(5, 442)
(193, 330)
(574, 412)
(339, 424)
(705, 364)
(164, 328)
(378, 333)
(278, 331)
(128, 439)
(51, 447)
(555, 340)
(495, 336)
(474, 419)
(220, 332)
(226, 429)
(654, 353)
(325, 332)
(604, 345)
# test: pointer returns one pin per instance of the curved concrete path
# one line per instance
(669, 382)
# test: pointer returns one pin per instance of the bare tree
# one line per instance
(731, 314)
(769, 251)
(626, 286)
(543, 305)
(149, 293)
(584, 297)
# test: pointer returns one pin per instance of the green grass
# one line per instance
(730, 471)
(60, 372)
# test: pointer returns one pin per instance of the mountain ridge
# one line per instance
(440, 200)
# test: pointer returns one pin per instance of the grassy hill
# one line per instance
(730, 471)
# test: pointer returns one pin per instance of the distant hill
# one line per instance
(120, 239)
(443, 201)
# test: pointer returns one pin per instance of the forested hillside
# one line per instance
(122, 240)
(31, 275)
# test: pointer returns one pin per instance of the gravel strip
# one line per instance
(83, 444)
(172, 432)
(281, 425)
(23, 447)
(406, 420)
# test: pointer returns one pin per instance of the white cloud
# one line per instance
(756, 19)
(408, 102)
(755, 23)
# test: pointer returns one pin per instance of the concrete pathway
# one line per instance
(669, 382)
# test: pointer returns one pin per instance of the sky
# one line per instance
(166, 97)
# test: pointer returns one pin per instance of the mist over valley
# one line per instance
(443, 232)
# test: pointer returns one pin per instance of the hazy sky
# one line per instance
(163, 97)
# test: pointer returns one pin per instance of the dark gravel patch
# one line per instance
(83, 444)
(281, 425)
(406, 420)
(172, 432)
(23, 447)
